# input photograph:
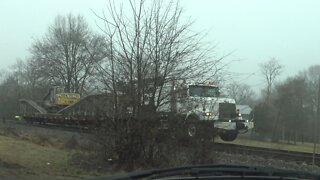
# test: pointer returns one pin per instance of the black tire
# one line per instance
(202, 130)
(29, 121)
(230, 135)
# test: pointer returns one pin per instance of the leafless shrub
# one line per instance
(143, 142)
(149, 49)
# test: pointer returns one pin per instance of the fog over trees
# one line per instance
(290, 110)
(68, 53)
(139, 52)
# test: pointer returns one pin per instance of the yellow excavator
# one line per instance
(57, 98)
(60, 107)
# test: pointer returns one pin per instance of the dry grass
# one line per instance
(40, 158)
(37, 161)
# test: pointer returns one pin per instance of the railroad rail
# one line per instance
(70, 128)
(61, 128)
(287, 155)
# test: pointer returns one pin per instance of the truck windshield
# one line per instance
(203, 91)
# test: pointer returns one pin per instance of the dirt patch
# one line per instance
(43, 136)
(72, 143)
(14, 171)
(10, 165)
(9, 131)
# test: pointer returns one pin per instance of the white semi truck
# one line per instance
(200, 105)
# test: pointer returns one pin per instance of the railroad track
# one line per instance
(10, 123)
(59, 127)
(299, 157)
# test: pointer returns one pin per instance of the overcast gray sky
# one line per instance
(253, 30)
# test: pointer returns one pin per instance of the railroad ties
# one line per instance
(286, 155)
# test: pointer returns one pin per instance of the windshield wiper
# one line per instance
(216, 172)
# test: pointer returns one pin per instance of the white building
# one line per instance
(246, 111)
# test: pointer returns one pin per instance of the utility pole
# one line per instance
(316, 124)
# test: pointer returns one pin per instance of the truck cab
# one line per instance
(201, 103)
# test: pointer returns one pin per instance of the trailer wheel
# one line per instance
(192, 127)
(28, 121)
(230, 135)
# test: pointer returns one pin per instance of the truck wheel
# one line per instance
(199, 129)
(230, 135)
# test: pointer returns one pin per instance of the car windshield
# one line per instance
(203, 91)
(99, 87)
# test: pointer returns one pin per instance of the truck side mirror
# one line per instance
(182, 92)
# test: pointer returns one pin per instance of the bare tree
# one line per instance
(30, 78)
(270, 71)
(150, 48)
(293, 109)
(242, 93)
(291, 101)
(312, 76)
(69, 52)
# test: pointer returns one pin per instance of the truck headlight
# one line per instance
(208, 113)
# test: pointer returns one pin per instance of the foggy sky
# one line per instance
(254, 31)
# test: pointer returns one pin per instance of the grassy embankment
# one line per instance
(40, 157)
(21, 156)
